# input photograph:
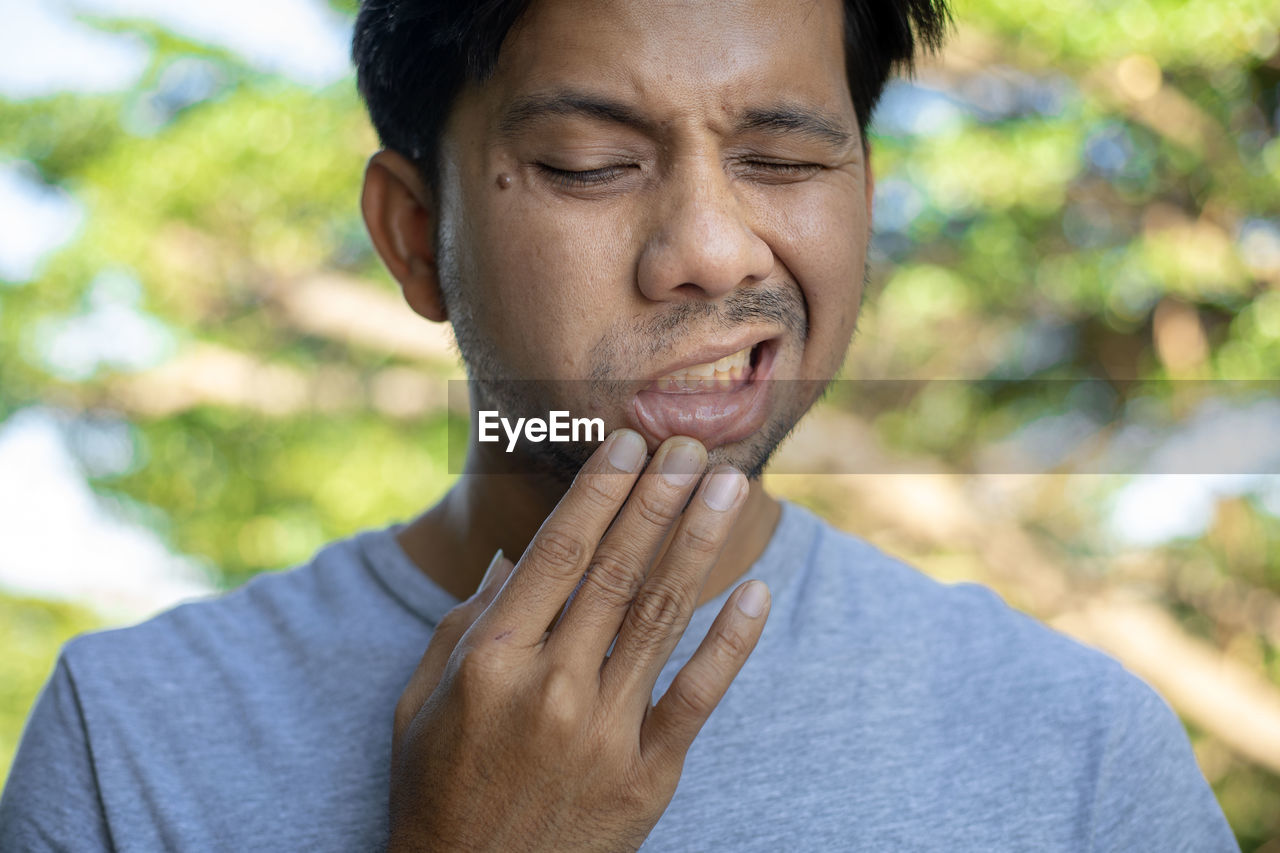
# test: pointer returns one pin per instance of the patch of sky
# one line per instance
(111, 330)
(1066, 437)
(35, 218)
(51, 46)
(183, 82)
(910, 109)
(1223, 450)
(1131, 293)
(897, 204)
(1000, 92)
(1224, 438)
(1113, 151)
(888, 247)
(104, 444)
(1178, 471)
(304, 40)
(1259, 242)
(1109, 149)
(1040, 446)
(1269, 495)
(1029, 349)
(110, 564)
(45, 50)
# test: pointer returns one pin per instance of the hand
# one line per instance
(511, 736)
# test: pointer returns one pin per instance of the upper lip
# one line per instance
(712, 352)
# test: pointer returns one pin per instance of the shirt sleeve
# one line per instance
(51, 800)
(1151, 794)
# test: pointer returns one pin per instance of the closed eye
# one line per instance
(788, 169)
(586, 178)
(568, 178)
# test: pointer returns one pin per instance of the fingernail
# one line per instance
(722, 488)
(626, 452)
(753, 598)
(682, 463)
(492, 570)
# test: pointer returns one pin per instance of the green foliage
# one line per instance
(255, 494)
(31, 632)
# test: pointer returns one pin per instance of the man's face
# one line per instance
(720, 212)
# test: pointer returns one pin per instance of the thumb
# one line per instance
(494, 578)
(445, 637)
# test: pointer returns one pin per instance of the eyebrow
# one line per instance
(781, 119)
(799, 120)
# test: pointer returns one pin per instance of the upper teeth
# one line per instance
(723, 372)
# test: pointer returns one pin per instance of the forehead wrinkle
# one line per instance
(780, 119)
(528, 109)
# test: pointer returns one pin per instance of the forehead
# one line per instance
(706, 57)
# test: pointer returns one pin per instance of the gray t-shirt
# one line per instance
(881, 711)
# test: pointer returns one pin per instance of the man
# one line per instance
(657, 214)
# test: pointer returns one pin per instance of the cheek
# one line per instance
(820, 235)
(550, 278)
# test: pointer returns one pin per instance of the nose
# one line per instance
(702, 245)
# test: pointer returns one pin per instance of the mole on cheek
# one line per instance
(504, 181)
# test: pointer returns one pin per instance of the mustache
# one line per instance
(780, 305)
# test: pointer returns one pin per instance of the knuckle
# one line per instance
(596, 492)
(731, 646)
(559, 550)
(476, 668)
(474, 683)
(612, 579)
(653, 509)
(454, 623)
(693, 698)
(701, 539)
(559, 699)
(659, 609)
(448, 622)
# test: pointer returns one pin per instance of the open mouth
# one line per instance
(727, 373)
(716, 402)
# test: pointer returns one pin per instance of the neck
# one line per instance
(491, 507)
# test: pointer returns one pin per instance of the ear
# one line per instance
(400, 216)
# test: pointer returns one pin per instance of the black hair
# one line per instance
(412, 58)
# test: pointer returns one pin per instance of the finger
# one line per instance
(554, 562)
(661, 610)
(701, 683)
(445, 638)
(494, 576)
(457, 622)
(617, 571)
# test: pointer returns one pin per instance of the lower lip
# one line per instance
(712, 417)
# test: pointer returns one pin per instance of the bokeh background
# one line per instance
(205, 374)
